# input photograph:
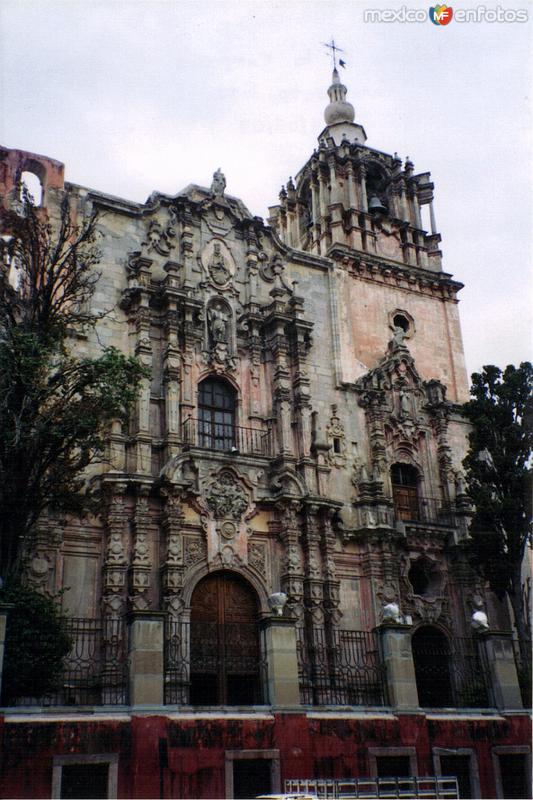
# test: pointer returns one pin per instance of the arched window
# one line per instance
(431, 656)
(225, 653)
(33, 185)
(216, 414)
(404, 480)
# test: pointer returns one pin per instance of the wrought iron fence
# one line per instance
(95, 669)
(227, 438)
(207, 663)
(432, 510)
(522, 657)
(451, 673)
(340, 667)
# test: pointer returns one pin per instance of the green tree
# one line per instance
(36, 644)
(499, 477)
(55, 408)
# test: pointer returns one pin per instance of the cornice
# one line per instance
(404, 276)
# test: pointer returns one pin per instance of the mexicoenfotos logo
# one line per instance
(441, 15)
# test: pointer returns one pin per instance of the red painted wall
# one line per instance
(325, 747)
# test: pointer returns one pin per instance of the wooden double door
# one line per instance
(225, 649)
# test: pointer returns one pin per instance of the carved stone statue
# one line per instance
(218, 270)
(218, 325)
(399, 336)
(405, 406)
(218, 184)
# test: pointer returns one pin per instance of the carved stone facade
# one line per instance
(339, 367)
(299, 431)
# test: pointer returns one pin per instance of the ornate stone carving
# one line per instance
(257, 557)
(336, 439)
(160, 238)
(226, 497)
(228, 529)
(195, 551)
(218, 270)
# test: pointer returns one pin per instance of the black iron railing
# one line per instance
(522, 657)
(227, 438)
(451, 674)
(425, 509)
(340, 668)
(207, 663)
(94, 671)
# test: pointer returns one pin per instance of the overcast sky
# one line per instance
(137, 95)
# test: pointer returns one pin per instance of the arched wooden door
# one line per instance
(225, 652)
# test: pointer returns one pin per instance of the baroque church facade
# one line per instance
(276, 587)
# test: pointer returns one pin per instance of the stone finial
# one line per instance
(277, 602)
(339, 109)
(479, 621)
(391, 613)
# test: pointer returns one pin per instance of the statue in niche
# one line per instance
(218, 184)
(398, 337)
(218, 270)
(405, 406)
(218, 324)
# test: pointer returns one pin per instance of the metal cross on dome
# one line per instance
(334, 50)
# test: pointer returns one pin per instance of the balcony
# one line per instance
(411, 507)
(226, 438)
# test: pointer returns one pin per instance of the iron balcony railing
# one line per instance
(451, 674)
(431, 510)
(340, 667)
(227, 438)
(94, 671)
(370, 788)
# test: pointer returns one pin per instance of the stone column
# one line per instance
(146, 642)
(498, 658)
(282, 661)
(351, 186)
(398, 659)
(432, 218)
(362, 184)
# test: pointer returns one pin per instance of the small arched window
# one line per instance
(216, 414)
(31, 182)
(404, 478)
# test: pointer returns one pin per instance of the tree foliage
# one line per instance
(499, 476)
(55, 408)
(36, 644)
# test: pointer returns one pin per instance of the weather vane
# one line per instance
(334, 50)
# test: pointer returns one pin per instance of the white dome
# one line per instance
(340, 111)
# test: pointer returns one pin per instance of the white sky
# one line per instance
(137, 95)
